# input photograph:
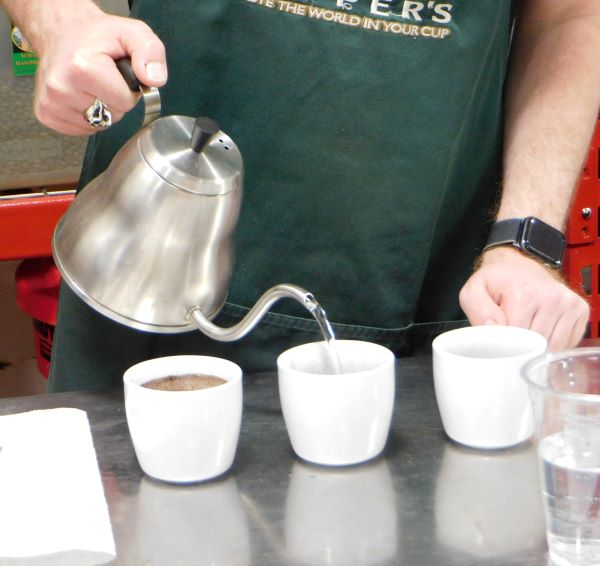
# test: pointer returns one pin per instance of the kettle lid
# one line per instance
(192, 154)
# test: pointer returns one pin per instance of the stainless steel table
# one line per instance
(426, 501)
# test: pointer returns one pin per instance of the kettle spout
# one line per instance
(258, 311)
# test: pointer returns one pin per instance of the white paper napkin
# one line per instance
(51, 496)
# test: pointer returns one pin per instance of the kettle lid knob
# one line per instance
(192, 154)
(204, 129)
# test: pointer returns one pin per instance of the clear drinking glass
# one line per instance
(565, 393)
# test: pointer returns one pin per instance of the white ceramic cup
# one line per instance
(482, 399)
(337, 419)
(184, 436)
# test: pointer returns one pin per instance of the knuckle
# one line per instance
(41, 110)
(79, 66)
(575, 301)
(53, 88)
(556, 294)
(584, 307)
(524, 293)
(157, 46)
(465, 297)
(148, 39)
(144, 28)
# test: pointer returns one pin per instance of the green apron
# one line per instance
(371, 136)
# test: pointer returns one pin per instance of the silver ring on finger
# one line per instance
(98, 115)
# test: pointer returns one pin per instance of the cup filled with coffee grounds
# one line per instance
(184, 415)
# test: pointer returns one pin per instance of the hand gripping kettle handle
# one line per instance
(150, 95)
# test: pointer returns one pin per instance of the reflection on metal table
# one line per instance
(425, 501)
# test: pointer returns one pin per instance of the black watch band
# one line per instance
(531, 236)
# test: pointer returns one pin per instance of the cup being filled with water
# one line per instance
(337, 398)
(565, 393)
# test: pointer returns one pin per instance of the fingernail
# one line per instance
(490, 322)
(156, 71)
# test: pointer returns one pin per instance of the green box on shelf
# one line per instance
(24, 59)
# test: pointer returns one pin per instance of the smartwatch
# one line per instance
(530, 235)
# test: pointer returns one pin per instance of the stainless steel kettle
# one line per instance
(149, 242)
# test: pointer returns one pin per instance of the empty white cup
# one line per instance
(337, 419)
(482, 399)
(184, 436)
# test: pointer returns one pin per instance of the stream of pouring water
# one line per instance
(332, 357)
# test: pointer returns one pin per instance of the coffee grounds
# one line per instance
(188, 382)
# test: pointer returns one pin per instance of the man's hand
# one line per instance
(510, 288)
(552, 101)
(78, 44)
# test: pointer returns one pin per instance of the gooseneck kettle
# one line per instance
(149, 242)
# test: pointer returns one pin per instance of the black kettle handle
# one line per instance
(126, 70)
(150, 95)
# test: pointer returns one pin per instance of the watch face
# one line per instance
(544, 241)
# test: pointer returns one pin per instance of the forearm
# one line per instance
(41, 20)
(553, 97)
